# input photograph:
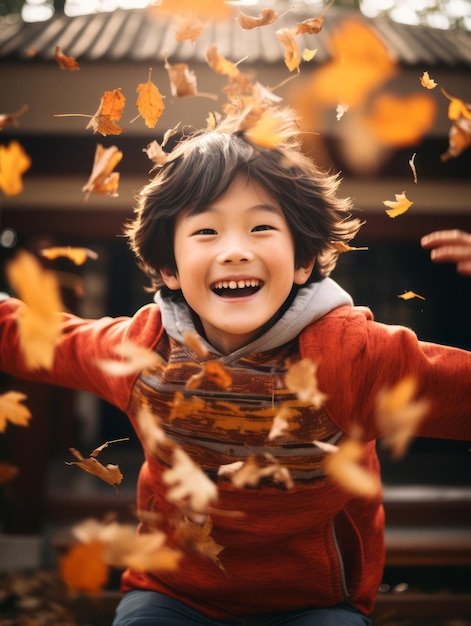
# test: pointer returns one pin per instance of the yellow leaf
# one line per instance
(308, 54)
(427, 82)
(409, 295)
(220, 64)
(39, 323)
(150, 103)
(265, 132)
(457, 108)
(399, 206)
(11, 410)
(77, 255)
(13, 164)
(292, 55)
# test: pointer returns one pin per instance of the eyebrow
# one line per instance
(271, 208)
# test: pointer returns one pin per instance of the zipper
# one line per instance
(340, 562)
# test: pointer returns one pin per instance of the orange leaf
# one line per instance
(102, 179)
(409, 295)
(301, 379)
(11, 410)
(427, 82)
(150, 103)
(110, 111)
(189, 26)
(39, 323)
(10, 118)
(459, 139)
(110, 474)
(311, 26)
(83, 567)
(77, 255)
(292, 55)
(65, 62)
(219, 64)
(197, 537)
(457, 108)
(13, 164)
(345, 468)
(267, 16)
(399, 206)
(265, 132)
(195, 343)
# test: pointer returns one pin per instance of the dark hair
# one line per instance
(201, 168)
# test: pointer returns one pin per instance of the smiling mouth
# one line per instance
(236, 288)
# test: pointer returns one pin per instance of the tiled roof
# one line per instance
(134, 36)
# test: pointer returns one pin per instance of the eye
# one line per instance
(262, 227)
(205, 231)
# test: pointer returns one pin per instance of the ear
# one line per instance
(302, 272)
(170, 278)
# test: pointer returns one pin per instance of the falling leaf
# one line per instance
(110, 474)
(183, 81)
(313, 25)
(99, 449)
(341, 109)
(209, 9)
(195, 343)
(427, 82)
(412, 166)
(11, 410)
(220, 64)
(102, 179)
(301, 379)
(77, 255)
(251, 473)
(188, 483)
(457, 108)
(149, 103)
(266, 131)
(14, 162)
(170, 133)
(197, 537)
(10, 118)
(7, 473)
(399, 206)
(325, 447)
(409, 295)
(135, 359)
(460, 132)
(155, 152)
(308, 54)
(280, 424)
(39, 324)
(344, 467)
(189, 26)
(267, 16)
(83, 567)
(398, 415)
(213, 371)
(340, 246)
(292, 55)
(65, 62)
(230, 469)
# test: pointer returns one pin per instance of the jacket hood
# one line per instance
(310, 304)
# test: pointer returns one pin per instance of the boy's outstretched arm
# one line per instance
(450, 245)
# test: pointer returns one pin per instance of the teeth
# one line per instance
(236, 284)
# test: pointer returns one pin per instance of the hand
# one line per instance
(450, 245)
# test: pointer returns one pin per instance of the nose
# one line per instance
(234, 250)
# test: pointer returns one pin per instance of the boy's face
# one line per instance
(235, 264)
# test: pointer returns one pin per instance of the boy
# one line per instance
(240, 241)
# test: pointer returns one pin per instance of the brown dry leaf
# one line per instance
(251, 473)
(217, 373)
(195, 343)
(150, 103)
(427, 82)
(292, 55)
(301, 379)
(188, 484)
(10, 118)
(398, 415)
(14, 162)
(412, 166)
(197, 537)
(65, 62)
(267, 16)
(220, 64)
(7, 473)
(344, 467)
(83, 568)
(135, 358)
(155, 152)
(39, 323)
(97, 451)
(77, 255)
(103, 180)
(11, 410)
(310, 27)
(398, 206)
(183, 81)
(409, 295)
(189, 26)
(399, 121)
(110, 474)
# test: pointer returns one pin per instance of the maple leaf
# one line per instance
(65, 62)
(10, 118)
(267, 16)
(399, 206)
(135, 359)
(302, 380)
(14, 162)
(343, 466)
(427, 82)
(110, 474)
(11, 410)
(102, 179)
(39, 324)
(189, 26)
(292, 55)
(77, 255)
(188, 483)
(398, 415)
(220, 64)
(7, 473)
(83, 567)
(409, 295)
(197, 537)
(150, 103)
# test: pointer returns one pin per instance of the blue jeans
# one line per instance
(149, 608)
